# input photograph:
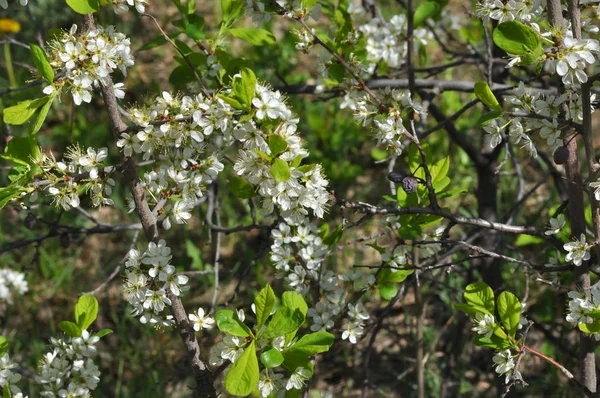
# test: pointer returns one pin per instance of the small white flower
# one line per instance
(484, 325)
(200, 320)
(578, 251)
(297, 378)
(556, 224)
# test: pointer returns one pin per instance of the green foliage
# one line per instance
(480, 298)
(429, 9)
(485, 95)
(264, 304)
(243, 375)
(3, 346)
(516, 38)
(86, 311)
(280, 170)
(256, 37)
(84, 6)
(70, 328)
(40, 60)
(277, 144)
(22, 150)
(285, 320)
(509, 310)
(228, 322)
(241, 188)
(271, 358)
(23, 111)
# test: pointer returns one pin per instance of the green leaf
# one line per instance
(70, 328)
(84, 6)
(86, 311)
(277, 144)
(466, 308)
(3, 346)
(516, 38)
(9, 193)
(191, 6)
(439, 170)
(526, 240)
(494, 342)
(264, 304)
(182, 10)
(485, 95)
(40, 60)
(388, 275)
(243, 89)
(280, 170)
(241, 188)
(256, 37)
(284, 321)
(388, 291)
(488, 117)
(426, 10)
(232, 9)
(271, 358)
(334, 237)
(181, 76)
(589, 328)
(243, 375)
(263, 155)
(23, 111)
(480, 297)
(6, 393)
(228, 322)
(308, 4)
(295, 301)
(22, 150)
(231, 101)
(309, 345)
(195, 27)
(103, 333)
(312, 344)
(509, 309)
(42, 115)
(450, 192)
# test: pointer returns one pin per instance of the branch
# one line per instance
(362, 207)
(203, 376)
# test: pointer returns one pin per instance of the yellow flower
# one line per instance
(8, 25)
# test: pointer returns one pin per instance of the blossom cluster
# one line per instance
(524, 11)
(390, 129)
(545, 109)
(270, 381)
(68, 370)
(8, 377)
(12, 283)
(186, 134)
(297, 253)
(387, 41)
(149, 279)
(305, 189)
(484, 325)
(79, 172)
(583, 310)
(86, 60)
